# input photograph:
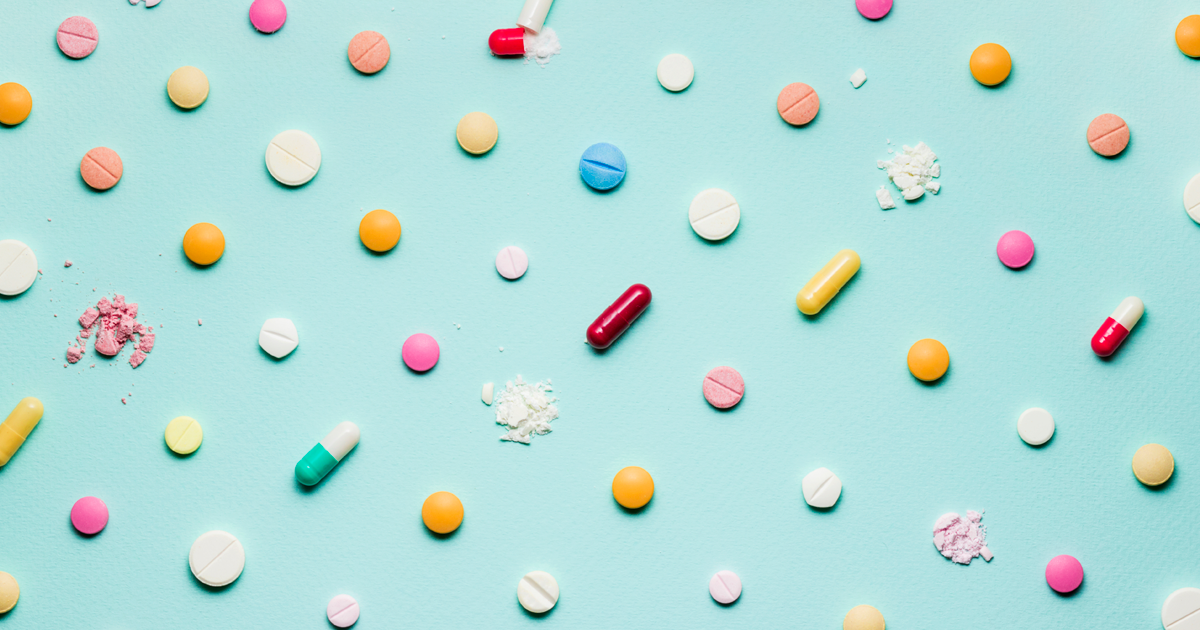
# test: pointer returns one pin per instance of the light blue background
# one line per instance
(827, 391)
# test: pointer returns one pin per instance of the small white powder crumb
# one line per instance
(858, 78)
(501, 348)
(488, 389)
(541, 47)
(526, 409)
(913, 171)
(885, 199)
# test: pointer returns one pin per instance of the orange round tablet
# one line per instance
(369, 52)
(442, 512)
(928, 359)
(798, 104)
(15, 103)
(101, 168)
(1187, 36)
(379, 230)
(204, 243)
(990, 64)
(1108, 135)
(633, 487)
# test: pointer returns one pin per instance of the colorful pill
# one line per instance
(1108, 135)
(15, 104)
(725, 587)
(77, 37)
(618, 317)
(990, 64)
(633, 487)
(1116, 328)
(507, 41)
(1187, 36)
(16, 428)
(327, 453)
(864, 617)
(1064, 573)
(828, 281)
(369, 52)
(442, 512)
(89, 515)
(10, 592)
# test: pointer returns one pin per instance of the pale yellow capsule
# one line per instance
(17, 426)
(1153, 464)
(184, 435)
(828, 281)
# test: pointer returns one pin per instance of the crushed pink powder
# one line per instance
(116, 324)
(67, 264)
(961, 539)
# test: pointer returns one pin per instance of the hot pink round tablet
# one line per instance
(873, 9)
(725, 587)
(1015, 249)
(798, 104)
(369, 52)
(1064, 574)
(101, 168)
(1108, 135)
(420, 352)
(723, 387)
(342, 611)
(89, 515)
(268, 16)
(77, 37)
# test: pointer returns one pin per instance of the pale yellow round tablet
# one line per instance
(1153, 464)
(184, 435)
(864, 618)
(477, 133)
(10, 592)
(187, 87)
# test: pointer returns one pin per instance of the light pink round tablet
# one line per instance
(420, 352)
(1015, 249)
(89, 515)
(268, 16)
(723, 387)
(1064, 574)
(369, 52)
(77, 37)
(1108, 135)
(798, 104)
(101, 168)
(725, 587)
(512, 262)
(873, 9)
(342, 611)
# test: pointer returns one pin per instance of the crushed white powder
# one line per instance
(541, 47)
(913, 171)
(885, 199)
(526, 409)
(858, 78)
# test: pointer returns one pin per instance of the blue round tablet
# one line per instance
(602, 166)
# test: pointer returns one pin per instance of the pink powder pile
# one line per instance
(116, 324)
(961, 539)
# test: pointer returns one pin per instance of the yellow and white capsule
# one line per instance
(17, 426)
(828, 281)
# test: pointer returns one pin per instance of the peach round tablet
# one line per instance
(101, 168)
(15, 103)
(864, 618)
(1187, 36)
(928, 359)
(1153, 464)
(379, 230)
(204, 243)
(873, 9)
(1015, 249)
(188, 87)
(420, 352)
(633, 487)
(990, 64)
(10, 592)
(723, 387)
(89, 515)
(1064, 573)
(369, 52)
(1108, 135)
(798, 104)
(77, 37)
(442, 512)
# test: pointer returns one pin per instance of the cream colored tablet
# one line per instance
(1035, 426)
(537, 592)
(1191, 198)
(217, 558)
(184, 435)
(714, 214)
(18, 267)
(1181, 611)
(278, 337)
(1153, 464)
(821, 488)
(293, 158)
(675, 72)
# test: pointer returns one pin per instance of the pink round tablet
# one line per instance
(512, 262)
(723, 387)
(77, 37)
(369, 52)
(1108, 135)
(342, 611)
(873, 9)
(1064, 574)
(420, 352)
(725, 587)
(1015, 249)
(101, 168)
(89, 515)
(268, 16)
(798, 104)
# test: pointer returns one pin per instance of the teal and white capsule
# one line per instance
(327, 453)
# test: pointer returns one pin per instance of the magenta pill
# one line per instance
(725, 587)
(268, 16)
(873, 9)
(342, 611)
(723, 387)
(77, 37)
(420, 352)
(1015, 249)
(1064, 574)
(89, 515)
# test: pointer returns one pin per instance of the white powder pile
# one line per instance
(912, 172)
(541, 47)
(526, 409)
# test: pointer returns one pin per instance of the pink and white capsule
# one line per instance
(1117, 326)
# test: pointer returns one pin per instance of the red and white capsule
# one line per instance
(1116, 328)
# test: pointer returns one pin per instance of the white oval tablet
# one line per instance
(714, 214)
(1035, 426)
(675, 72)
(293, 158)
(18, 267)
(512, 263)
(1181, 611)
(217, 558)
(278, 337)
(1191, 198)
(821, 488)
(537, 592)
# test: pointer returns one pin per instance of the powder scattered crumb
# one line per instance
(913, 171)
(116, 324)
(68, 264)
(541, 47)
(199, 322)
(526, 409)
(123, 402)
(961, 539)
(885, 199)
(858, 78)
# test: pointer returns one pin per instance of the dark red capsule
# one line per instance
(617, 318)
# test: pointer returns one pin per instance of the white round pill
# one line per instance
(217, 558)
(1191, 198)
(537, 592)
(293, 158)
(675, 72)
(821, 488)
(1035, 426)
(512, 262)
(278, 337)
(714, 214)
(18, 267)
(1181, 611)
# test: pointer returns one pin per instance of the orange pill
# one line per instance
(442, 512)
(633, 487)
(1108, 135)
(204, 243)
(379, 230)
(101, 168)
(798, 104)
(369, 52)
(15, 103)
(1187, 36)
(928, 359)
(990, 64)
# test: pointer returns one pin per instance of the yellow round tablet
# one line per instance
(477, 133)
(1187, 36)
(204, 243)
(442, 512)
(15, 103)
(10, 592)
(1153, 464)
(928, 359)
(188, 87)
(379, 230)
(990, 64)
(633, 487)
(184, 435)
(864, 618)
